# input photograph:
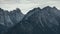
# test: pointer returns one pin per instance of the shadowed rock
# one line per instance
(38, 21)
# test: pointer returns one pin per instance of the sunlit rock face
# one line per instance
(38, 21)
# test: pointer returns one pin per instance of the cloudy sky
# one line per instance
(26, 5)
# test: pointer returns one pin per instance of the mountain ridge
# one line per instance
(38, 21)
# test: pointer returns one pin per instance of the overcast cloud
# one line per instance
(26, 5)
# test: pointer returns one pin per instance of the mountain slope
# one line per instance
(38, 21)
(16, 15)
(9, 19)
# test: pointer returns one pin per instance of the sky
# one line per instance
(26, 5)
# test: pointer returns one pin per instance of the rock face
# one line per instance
(1, 16)
(9, 19)
(16, 15)
(38, 21)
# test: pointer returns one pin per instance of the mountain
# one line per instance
(38, 21)
(9, 19)
(16, 15)
(1, 16)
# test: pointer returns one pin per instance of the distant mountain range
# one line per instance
(36, 21)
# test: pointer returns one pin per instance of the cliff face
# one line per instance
(9, 19)
(38, 21)
(16, 15)
(1, 16)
